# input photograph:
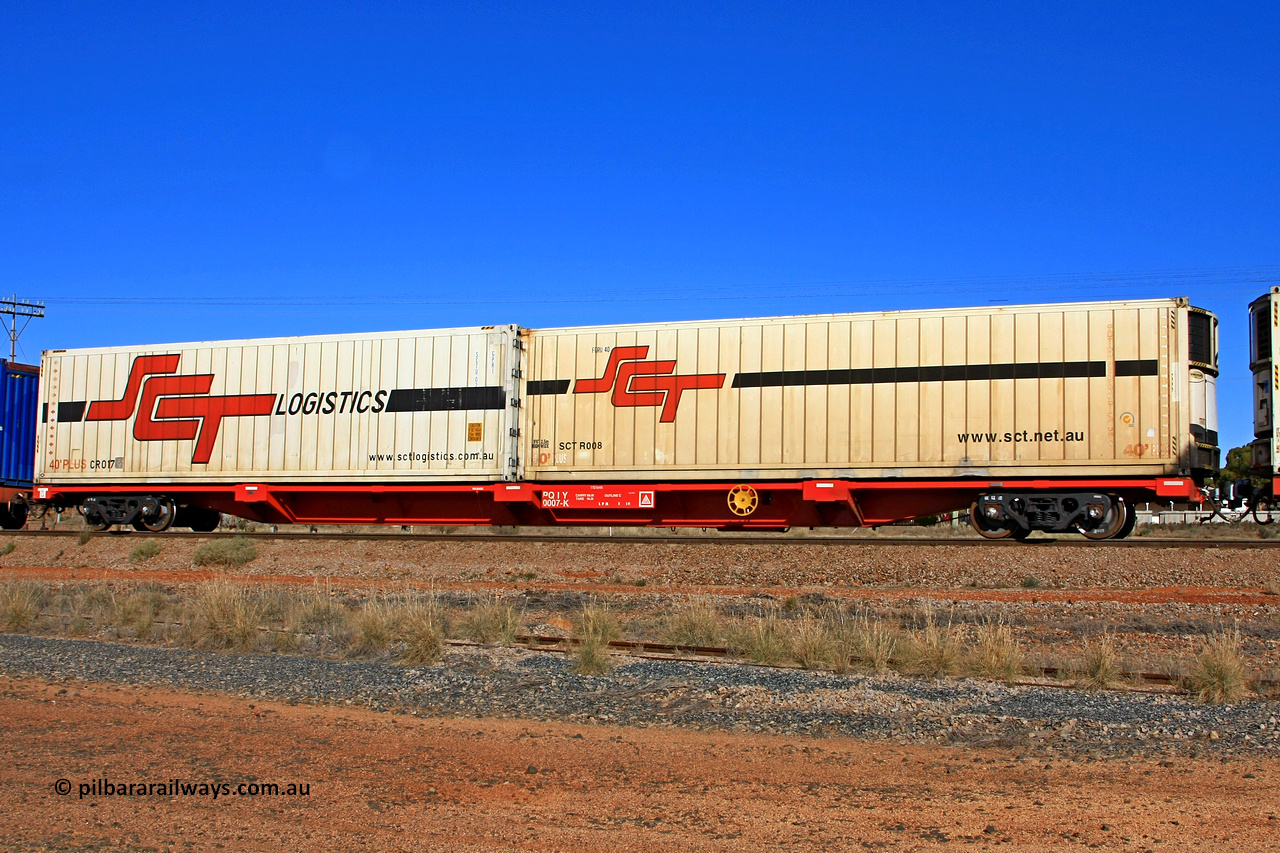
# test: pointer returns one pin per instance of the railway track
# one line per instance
(723, 539)
(666, 651)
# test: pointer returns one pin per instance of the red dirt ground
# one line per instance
(388, 782)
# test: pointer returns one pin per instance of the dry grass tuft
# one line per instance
(225, 615)
(490, 621)
(932, 650)
(374, 627)
(874, 643)
(1271, 587)
(812, 645)
(145, 551)
(84, 537)
(19, 604)
(420, 628)
(598, 621)
(1101, 668)
(694, 623)
(596, 627)
(140, 610)
(592, 656)
(226, 553)
(996, 653)
(761, 639)
(1218, 676)
(96, 604)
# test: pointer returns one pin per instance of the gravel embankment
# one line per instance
(861, 562)
(733, 697)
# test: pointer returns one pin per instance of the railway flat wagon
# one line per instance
(1055, 417)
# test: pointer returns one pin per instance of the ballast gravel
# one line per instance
(502, 682)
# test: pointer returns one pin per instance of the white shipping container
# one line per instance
(1068, 390)
(429, 406)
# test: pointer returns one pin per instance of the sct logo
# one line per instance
(176, 407)
(645, 383)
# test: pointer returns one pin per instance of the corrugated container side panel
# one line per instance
(862, 396)
(812, 412)
(19, 411)
(884, 396)
(1026, 401)
(750, 410)
(955, 402)
(1049, 392)
(930, 442)
(772, 411)
(626, 432)
(1075, 399)
(706, 344)
(977, 392)
(557, 361)
(461, 369)
(1003, 400)
(907, 411)
(277, 454)
(1101, 434)
(326, 439)
(838, 442)
(1128, 415)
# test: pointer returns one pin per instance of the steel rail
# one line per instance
(667, 651)
(649, 539)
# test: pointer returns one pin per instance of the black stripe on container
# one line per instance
(446, 399)
(71, 413)
(542, 387)
(935, 373)
(1138, 367)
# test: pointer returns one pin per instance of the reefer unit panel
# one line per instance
(430, 406)
(1048, 390)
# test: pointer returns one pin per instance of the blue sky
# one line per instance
(177, 172)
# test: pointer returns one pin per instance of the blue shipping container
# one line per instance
(19, 399)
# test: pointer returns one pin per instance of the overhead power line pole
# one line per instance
(15, 308)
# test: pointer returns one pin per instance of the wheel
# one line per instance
(987, 530)
(199, 519)
(161, 521)
(14, 518)
(93, 520)
(1116, 523)
(1131, 520)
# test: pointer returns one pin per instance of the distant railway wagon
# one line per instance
(1051, 417)
(1264, 363)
